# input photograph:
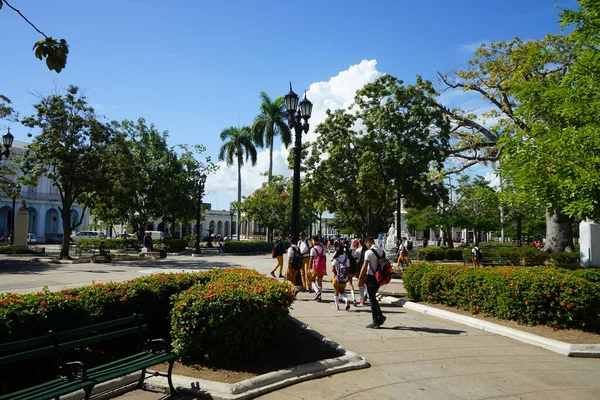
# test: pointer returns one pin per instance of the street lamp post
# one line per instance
(231, 223)
(15, 192)
(7, 140)
(201, 181)
(297, 113)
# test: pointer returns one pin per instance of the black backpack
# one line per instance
(353, 262)
(296, 258)
(478, 254)
(409, 245)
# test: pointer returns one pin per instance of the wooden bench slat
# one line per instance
(22, 344)
(96, 327)
(97, 338)
(25, 355)
(48, 390)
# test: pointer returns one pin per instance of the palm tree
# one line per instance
(237, 145)
(270, 123)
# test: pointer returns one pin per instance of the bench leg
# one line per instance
(88, 392)
(140, 384)
(170, 378)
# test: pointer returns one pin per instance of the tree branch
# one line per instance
(25, 18)
(468, 122)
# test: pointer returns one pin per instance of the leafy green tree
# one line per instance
(386, 144)
(238, 146)
(54, 51)
(479, 205)
(269, 123)
(443, 217)
(71, 151)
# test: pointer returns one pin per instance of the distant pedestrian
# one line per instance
(476, 255)
(293, 273)
(279, 255)
(370, 266)
(362, 279)
(148, 242)
(318, 265)
(340, 266)
(304, 244)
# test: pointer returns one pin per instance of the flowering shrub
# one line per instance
(236, 314)
(31, 315)
(536, 295)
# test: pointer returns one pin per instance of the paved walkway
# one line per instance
(415, 356)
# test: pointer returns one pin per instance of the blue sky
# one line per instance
(194, 68)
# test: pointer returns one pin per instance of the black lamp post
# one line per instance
(201, 178)
(297, 113)
(7, 140)
(15, 193)
(231, 223)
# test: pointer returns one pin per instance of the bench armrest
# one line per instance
(74, 370)
(153, 345)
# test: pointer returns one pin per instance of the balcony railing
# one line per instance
(40, 196)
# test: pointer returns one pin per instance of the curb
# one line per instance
(271, 381)
(567, 349)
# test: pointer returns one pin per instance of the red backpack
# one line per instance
(384, 268)
(320, 260)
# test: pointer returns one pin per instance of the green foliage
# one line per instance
(247, 246)
(9, 249)
(72, 151)
(270, 205)
(538, 295)
(270, 123)
(377, 150)
(236, 313)
(432, 253)
(55, 52)
(30, 315)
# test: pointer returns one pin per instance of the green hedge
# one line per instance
(9, 249)
(111, 243)
(248, 246)
(537, 295)
(432, 253)
(229, 317)
(529, 256)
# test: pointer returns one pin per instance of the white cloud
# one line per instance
(471, 47)
(492, 178)
(337, 92)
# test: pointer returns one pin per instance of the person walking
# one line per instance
(318, 265)
(279, 252)
(304, 244)
(353, 266)
(293, 273)
(476, 255)
(340, 266)
(369, 267)
(362, 279)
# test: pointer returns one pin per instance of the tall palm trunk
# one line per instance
(271, 160)
(239, 199)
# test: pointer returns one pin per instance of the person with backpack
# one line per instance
(318, 265)
(293, 273)
(477, 255)
(369, 268)
(353, 267)
(304, 244)
(340, 278)
(362, 280)
(277, 253)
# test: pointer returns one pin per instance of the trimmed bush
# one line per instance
(111, 243)
(537, 295)
(175, 245)
(438, 253)
(229, 317)
(589, 274)
(248, 246)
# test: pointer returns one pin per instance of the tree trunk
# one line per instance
(66, 223)
(239, 199)
(448, 238)
(559, 232)
(271, 160)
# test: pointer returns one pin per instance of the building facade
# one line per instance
(42, 202)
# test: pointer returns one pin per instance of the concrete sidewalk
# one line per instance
(415, 356)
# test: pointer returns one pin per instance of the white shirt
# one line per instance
(314, 252)
(473, 251)
(290, 251)
(305, 247)
(372, 259)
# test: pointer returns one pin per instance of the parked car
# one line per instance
(31, 238)
(54, 238)
(86, 235)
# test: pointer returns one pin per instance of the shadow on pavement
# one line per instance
(426, 330)
(25, 267)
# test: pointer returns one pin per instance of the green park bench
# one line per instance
(74, 375)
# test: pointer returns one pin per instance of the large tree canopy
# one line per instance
(72, 151)
(386, 143)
